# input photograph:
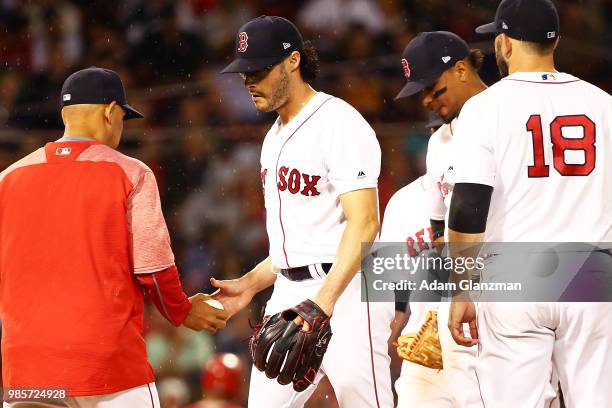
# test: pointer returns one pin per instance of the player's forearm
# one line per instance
(164, 289)
(467, 221)
(348, 260)
(463, 245)
(260, 277)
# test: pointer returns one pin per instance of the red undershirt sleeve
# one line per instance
(164, 289)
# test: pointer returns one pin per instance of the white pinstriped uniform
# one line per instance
(326, 150)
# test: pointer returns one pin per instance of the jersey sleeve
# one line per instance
(351, 152)
(435, 201)
(474, 160)
(164, 289)
(151, 250)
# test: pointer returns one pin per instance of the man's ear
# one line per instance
(294, 60)
(506, 46)
(109, 110)
(460, 70)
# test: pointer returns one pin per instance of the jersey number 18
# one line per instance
(560, 144)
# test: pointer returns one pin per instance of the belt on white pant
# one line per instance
(314, 271)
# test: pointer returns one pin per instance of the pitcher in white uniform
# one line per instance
(320, 163)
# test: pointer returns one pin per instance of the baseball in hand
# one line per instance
(215, 303)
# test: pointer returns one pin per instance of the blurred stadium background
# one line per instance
(201, 134)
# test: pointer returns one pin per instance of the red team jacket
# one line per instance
(80, 225)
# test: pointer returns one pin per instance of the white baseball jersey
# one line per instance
(406, 220)
(439, 179)
(543, 141)
(327, 150)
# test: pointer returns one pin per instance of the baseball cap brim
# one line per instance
(414, 87)
(490, 28)
(250, 65)
(131, 113)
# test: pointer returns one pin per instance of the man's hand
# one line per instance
(203, 316)
(327, 308)
(234, 294)
(463, 312)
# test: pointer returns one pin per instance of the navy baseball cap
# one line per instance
(95, 85)
(527, 20)
(427, 56)
(263, 42)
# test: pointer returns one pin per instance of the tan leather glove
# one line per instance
(423, 347)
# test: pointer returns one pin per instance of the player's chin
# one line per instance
(262, 105)
(446, 116)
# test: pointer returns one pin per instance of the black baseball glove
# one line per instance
(277, 339)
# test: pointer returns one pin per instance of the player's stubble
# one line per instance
(280, 93)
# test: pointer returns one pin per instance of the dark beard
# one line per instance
(281, 93)
(502, 65)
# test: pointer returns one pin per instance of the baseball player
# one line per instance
(83, 237)
(320, 163)
(406, 220)
(393, 229)
(532, 164)
(441, 67)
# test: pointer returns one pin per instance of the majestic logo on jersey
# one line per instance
(63, 151)
(406, 68)
(262, 176)
(242, 41)
(360, 175)
(296, 182)
(446, 59)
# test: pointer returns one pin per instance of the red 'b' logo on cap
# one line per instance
(406, 68)
(242, 41)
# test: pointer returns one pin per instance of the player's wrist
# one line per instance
(325, 303)
(258, 279)
(249, 283)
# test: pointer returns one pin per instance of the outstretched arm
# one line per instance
(235, 294)
(164, 289)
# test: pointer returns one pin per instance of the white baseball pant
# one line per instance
(357, 351)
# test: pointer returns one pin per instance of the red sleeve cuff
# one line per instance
(164, 289)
